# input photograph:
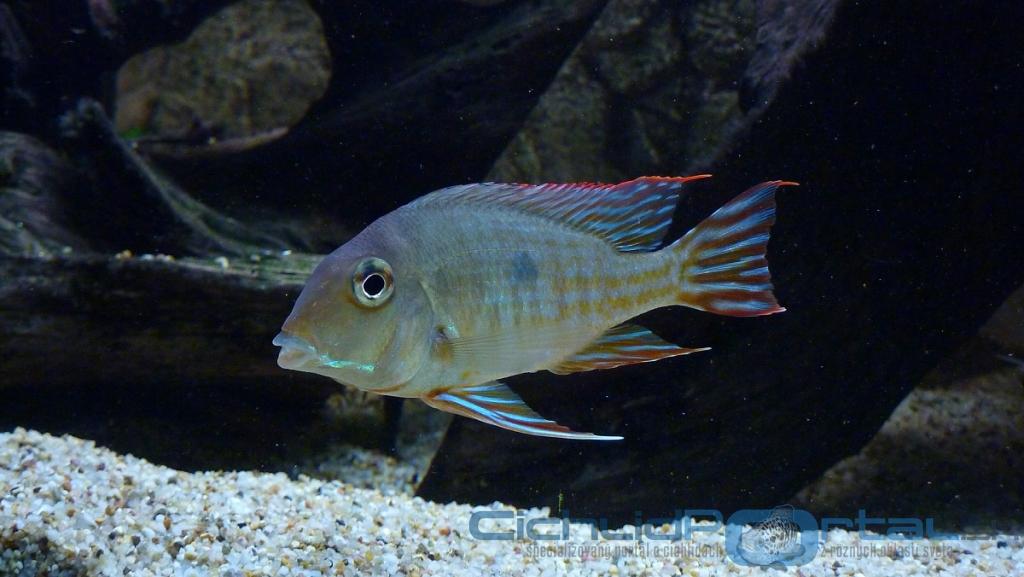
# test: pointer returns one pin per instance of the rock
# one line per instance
(423, 95)
(786, 30)
(900, 242)
(654, 88)
(1007, 326)
(253, 68)
(53, 53)
(967, 415)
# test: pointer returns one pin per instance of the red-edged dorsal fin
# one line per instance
(633, 215)
(496, 404)
(625, 344)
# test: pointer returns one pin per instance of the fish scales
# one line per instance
(524, 272)
(445, 296)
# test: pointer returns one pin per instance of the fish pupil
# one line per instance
(373, 285)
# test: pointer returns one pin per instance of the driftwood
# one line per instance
(139, 349)
(171, 360)
(78, 194)
(144, 319)
(126, 189)
(106, 345)
(898, 245)
(422, 96)
(902, 240)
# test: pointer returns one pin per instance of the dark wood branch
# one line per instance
(901, 241)
(67, 321)
(134, 205)
(141, 352)
(431, 105)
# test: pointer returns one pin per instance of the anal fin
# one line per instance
(625, 344)
(496, 404)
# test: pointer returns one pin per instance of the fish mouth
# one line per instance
(296, 353)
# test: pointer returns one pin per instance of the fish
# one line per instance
(773, 542)
(446, 296)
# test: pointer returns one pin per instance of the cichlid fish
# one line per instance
(470, 284)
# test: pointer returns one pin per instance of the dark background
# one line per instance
(901, 121)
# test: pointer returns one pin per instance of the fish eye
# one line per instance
(374, 285)
(372, 282)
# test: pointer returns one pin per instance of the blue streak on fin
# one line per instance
(633, 216)
(496, 404)
(625, 344)
(1019, 363)
(723, 266)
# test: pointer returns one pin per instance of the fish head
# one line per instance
(362, 319)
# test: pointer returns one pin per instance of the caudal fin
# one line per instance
(723, 267)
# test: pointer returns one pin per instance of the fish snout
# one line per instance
(296, 353)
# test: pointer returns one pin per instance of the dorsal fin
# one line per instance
(632, 215)
(625, 344)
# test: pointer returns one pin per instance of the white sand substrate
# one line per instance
(68, 507)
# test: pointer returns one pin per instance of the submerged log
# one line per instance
(903, 238)
(139, 349)
(422, 95)
(92, 319)
(72, 314)
(887, 257)
(131, 205)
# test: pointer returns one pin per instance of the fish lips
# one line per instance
(296, 353)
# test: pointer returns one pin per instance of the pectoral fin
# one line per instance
(496, 404)
(624, 344)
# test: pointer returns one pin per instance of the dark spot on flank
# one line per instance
(524, 268)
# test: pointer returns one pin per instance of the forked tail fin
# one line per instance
(722, 260)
